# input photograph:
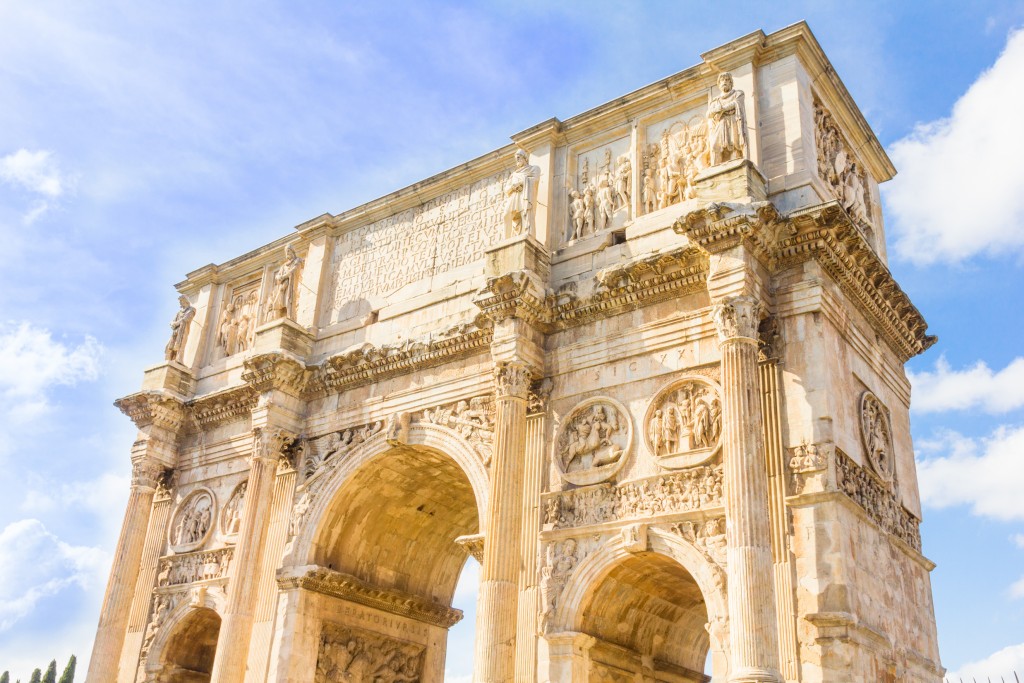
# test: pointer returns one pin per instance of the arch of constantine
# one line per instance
(645, 365)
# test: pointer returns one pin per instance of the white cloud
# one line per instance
(38, 173)
(35, 564)
(32, 362)
(1018, 540)
(1017, 589)
(1002, 663)
(959, 191)
(986, 474)
(975, 387)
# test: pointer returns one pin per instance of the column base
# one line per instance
(751, 674)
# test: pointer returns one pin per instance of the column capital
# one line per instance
(148, 475)
(512, 379)
(270, 444)
(276, 371)
(737, 319)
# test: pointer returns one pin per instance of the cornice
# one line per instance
(153, 408)
(275, 371)
(826, 234)
(390, 600)
(223, 406)
(368, 363)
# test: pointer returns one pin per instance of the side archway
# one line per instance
(184, 647)
(660, 609)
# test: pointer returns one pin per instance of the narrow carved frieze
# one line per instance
(190, 568)
(682, 491)
(880, 504)
(352, 654)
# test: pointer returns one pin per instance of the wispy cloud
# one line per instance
(977, 386)
(35, 564)
(986, 474)
(37, 173)
(960, 192)
(32, 362)
(1001, 663)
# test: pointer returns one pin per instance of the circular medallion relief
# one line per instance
(684, 423)
(231, 515)
(876, 434)
(594, 441)
(192, 521)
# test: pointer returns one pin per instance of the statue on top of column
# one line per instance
(179, 329)
(521, 196)
(727, 125)
(282, 297)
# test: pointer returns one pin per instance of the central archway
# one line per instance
(377, 563)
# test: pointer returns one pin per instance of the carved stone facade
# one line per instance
(644, 365)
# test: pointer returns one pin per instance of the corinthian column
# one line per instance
(117, 603)
(753, 633)
(269, 446)
(499, 576)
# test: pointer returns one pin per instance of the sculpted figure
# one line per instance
(521, 196)
(282, 298)
(605, 205)
(179, 329)
(623, 182)
(227, 329)
(577, 210)
(727, 126)
(650, 195)
(853, 195)
(588, 211)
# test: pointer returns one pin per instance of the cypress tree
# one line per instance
(51, 672)
(69, 671)
(37, 677)
(5, 677)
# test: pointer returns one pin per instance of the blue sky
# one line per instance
(141, 140)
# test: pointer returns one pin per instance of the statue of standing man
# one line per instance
(282, 297)
(521, 196)
(179, 329)
(727, 123)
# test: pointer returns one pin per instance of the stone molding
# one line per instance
(223, 406)
(474, 545)
(153, 409)
(275, 371)
(826, 234)
(347, 587)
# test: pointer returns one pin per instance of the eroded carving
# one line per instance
(231, 515)
(560, 559)
(237, 325)
(737, 317)
(708, 536)
(331, 448)
(684, 423)
(880, 503)
(807, 463)
(351, 654)
(179, 329)
(192, 567)
(473, 419)
(672, 163)
(838, 167)
(512, 379)
(594, 441)
(691, 489)
(192, 521)
(727, 123)
(876, 435)
(601, 198)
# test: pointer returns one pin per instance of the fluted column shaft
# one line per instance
(236, 626)
(499, 576)
(753, 633)
(117, 602)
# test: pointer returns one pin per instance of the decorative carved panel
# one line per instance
(192, 521)
(684, 423)
(231, 515)
(192, 567)
(876, 435)
(473, 419)
(594, 441)
(351, 654)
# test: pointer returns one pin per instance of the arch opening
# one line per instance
(647, 616)
(394, 522)
(188, 655)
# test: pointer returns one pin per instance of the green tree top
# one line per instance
(51, 672)
(69, 671)
(37, 677)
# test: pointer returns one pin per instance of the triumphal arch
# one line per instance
(645, 365)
